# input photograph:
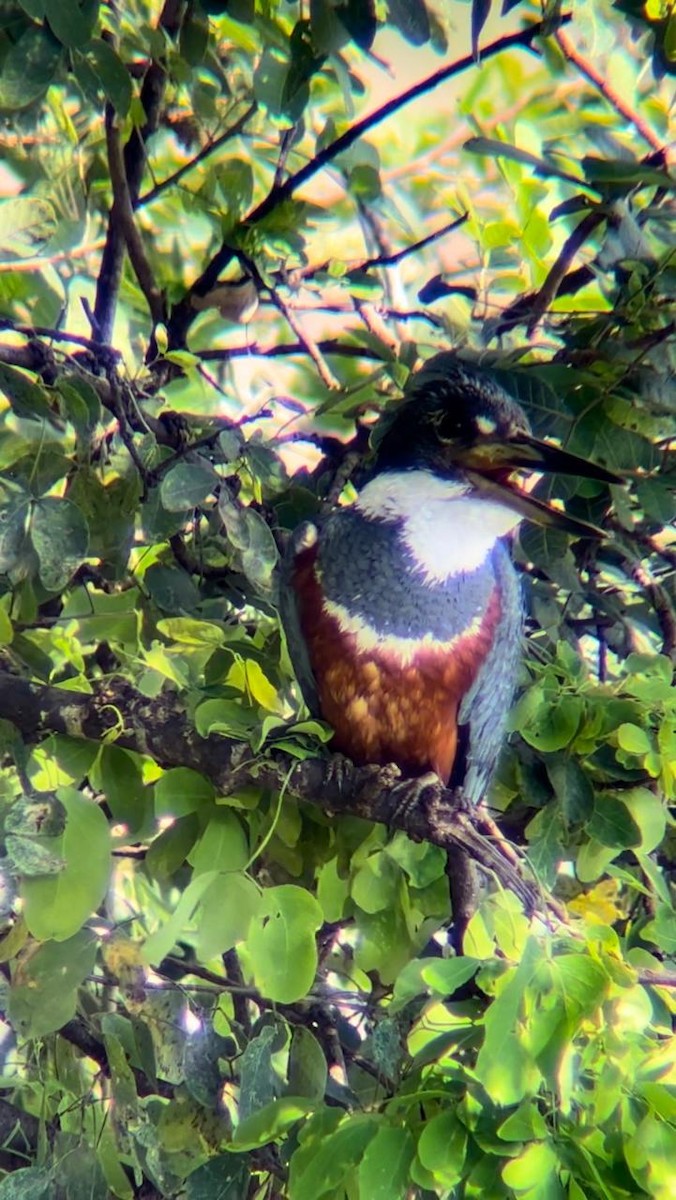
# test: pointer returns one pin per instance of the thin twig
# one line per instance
(206, 151)
(600, 82)
(39, 262)
(309, 346)
(391, 260)
(277, 195)
(56, 335)
(549, 290)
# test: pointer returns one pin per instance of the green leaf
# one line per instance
(161, 942)
(60, 539)
(612, 824)
(71, 22)
(411, 19)
(109, 72)
(384, 1171)
(57, 906)
(555, 724)
(494, 148)
(82, 403)
(258, 1081)
(269, 1123)
(222, 846)
(649, 814)
(29, 857)
(358, 17)
(442, 1148)
(633, 739)
(226, 911)
(445, 976)
(117, 774)
(188, 484)
(202, 1074)
(376, 883)
(650, 1155)
(593, 859)
(314, 1175)
(504, 1065)
(251, 536)
(27, 1183)
(13, 533)
(662, 929)
(572, 787)
(622, 172)
(28, 68)
(180, 791)
(281, 945)
(172, 589)
(224, 1177)
(169, 851)
(43, 994)
(307, 1071)
(28, 399)
(190, 632)
(525, 1125)
(534, 1173)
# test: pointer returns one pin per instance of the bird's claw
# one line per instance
(410, 793)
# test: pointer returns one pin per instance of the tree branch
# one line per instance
(152, 92)
(206, 151)
(600, 82)
(159, 727)
(122, 216)
(183, 312)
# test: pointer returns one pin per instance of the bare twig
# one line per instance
(40, 261)
(309, 346)
(600, 82)
(523, 39)
(206, 151)
(549, 290)
(391, 260)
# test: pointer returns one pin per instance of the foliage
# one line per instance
(216, 257)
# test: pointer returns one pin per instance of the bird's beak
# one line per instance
(490, 466)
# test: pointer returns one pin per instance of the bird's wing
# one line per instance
(485, 707)
(290, 616)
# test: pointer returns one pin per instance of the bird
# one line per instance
(402, 610)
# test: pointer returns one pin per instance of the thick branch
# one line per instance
(122, 216)
(160, 728)
(152, 92)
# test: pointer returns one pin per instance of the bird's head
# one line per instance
(457, 422)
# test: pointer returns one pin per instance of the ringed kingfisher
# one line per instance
(403, 611)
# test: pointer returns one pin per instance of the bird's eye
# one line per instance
(448, 425)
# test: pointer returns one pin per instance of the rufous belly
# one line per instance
(390, 704)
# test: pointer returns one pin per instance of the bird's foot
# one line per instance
(410, 793)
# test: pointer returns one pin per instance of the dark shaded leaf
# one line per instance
(188, 484)
(28, 399)
(411, 19)
(359, 18)
(224, 1177)
(60, 539)
(480, 12)
(70, 21)
(110, 73)
(28, 68)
